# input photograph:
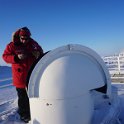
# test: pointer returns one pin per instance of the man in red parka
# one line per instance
(22, 52)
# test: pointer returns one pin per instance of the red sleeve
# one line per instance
(8, 55)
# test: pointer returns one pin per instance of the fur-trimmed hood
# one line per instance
(20, 32)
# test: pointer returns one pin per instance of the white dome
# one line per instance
(61, 83)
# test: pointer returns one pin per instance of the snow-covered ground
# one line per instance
(8, 101)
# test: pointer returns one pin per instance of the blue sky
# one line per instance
(97, 24)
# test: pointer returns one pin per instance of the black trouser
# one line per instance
(23, 102)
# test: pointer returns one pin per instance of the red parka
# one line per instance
(20, 68)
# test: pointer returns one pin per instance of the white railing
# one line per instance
(115, 64)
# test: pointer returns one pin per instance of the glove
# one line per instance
(36, 54)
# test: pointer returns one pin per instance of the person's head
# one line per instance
(24, 35)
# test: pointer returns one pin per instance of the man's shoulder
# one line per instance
(10, 44)
(32, 41)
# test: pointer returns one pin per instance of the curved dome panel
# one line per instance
(67, 72)
(61, 83)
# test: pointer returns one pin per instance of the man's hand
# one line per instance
(22, 56)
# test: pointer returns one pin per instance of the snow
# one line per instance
(8, 98)
(8, 101)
